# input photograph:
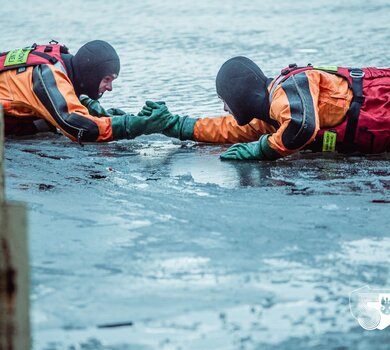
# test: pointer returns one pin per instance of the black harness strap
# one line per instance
(354, 110)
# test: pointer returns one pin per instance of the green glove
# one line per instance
(181, 128)
(112, 112)
(129, 126)
(259, 150)
(96, 109)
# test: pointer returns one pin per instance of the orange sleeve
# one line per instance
(295, 107)
(62, 108)
(225, 129)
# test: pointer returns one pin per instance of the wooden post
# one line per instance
(14, 267)
(2, 195)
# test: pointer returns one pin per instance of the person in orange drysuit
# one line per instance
(318, 108)
(40, 87)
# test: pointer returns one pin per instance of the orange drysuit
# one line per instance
(46, 92)
(306, 104)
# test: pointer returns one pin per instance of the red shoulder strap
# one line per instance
(39, 54)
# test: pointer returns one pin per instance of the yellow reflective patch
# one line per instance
(17, 56)
(329, 142)
(326, 68)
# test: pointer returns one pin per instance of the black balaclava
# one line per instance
(92, 62)
(243, 86)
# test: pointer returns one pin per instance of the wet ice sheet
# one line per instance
(260, 253)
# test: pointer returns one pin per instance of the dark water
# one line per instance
(181, 250)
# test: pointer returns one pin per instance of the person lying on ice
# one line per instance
(320, 108)
(40, 88)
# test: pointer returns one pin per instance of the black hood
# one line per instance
(94, 60)
(243, 86)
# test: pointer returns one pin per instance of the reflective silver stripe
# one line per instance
(59, 66)
(274, 86)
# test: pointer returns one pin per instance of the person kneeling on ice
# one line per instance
(318, 108)
(40, 88)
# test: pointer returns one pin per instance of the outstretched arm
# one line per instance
(96, 109)
(223, 129)
(63, 109)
